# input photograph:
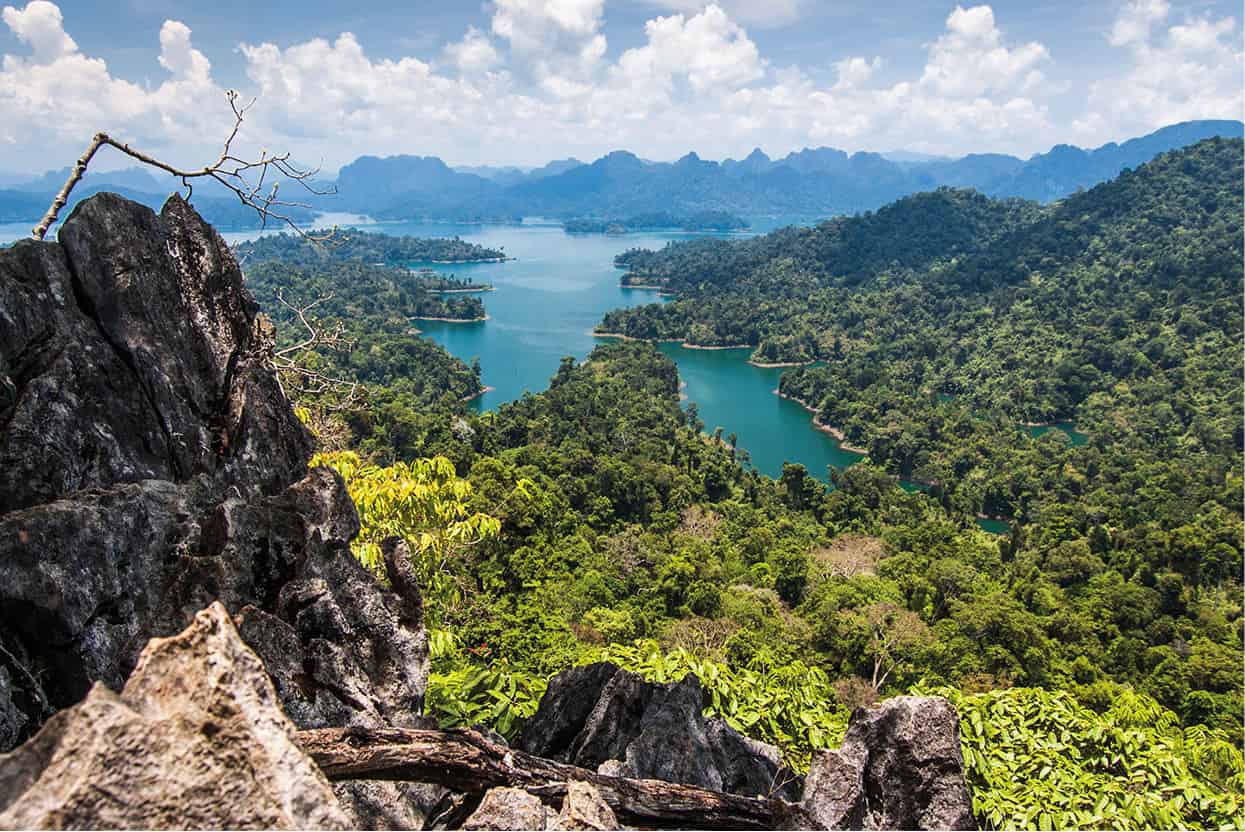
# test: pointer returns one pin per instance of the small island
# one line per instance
(657, 221)
(353, 245)
(437, 283)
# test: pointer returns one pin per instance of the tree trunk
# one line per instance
(466, 761)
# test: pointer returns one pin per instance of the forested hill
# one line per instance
(913, 232)
(1175, 221)
(1118, 308)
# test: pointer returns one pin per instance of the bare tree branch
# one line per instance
(349, 393)
(247, 178)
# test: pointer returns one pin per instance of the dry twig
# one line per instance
(349, 393)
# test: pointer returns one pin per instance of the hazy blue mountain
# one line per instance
(226, 213)
(508, 175)
(811, 182)
(406, 183)
(512, 175)
(554, 168)
(134, 178)
(1065, 168)
(754, 163)
(913, 156)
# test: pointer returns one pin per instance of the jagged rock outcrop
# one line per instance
(196, 740)
(605, 718)
(150, 464)
(899, 767)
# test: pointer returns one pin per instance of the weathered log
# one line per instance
(468, 762)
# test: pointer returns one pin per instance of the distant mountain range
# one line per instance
(810, 183)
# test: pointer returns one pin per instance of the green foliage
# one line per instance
(1038, 759)
(944, 321)
(423, 503)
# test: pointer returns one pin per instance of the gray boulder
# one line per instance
(196, 740)
(604, 718)
(899, 767)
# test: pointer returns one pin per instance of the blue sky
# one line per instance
(525, 81)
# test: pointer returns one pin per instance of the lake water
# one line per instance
(549, 298)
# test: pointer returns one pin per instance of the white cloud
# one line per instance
(974, 83)
(1176, 72)
(708, 49)
(40, 26)
(179, 57)
(1135, 21)
(555, 37)
(535, 81)
(474, 53)
(760, 14)
(853, 72)
(53, 100)
(969, 59)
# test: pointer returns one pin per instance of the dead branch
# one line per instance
(466, 761)
(247, 178)
(349, 393)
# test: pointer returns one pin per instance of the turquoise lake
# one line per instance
(558, 287)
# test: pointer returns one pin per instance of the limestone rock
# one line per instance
(197, 739)
(899, 767)
(506, 808)
(150, 465)
(607, 719)
(584, 808)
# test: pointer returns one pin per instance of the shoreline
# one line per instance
(451, 320)
(475, 396)
(478, 291)
(481, 260)
(688, 346)
(769, 365)
(622, 337)
(838, 435)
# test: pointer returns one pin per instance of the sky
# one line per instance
(521, 82)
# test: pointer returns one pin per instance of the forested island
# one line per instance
(448, 284)
(658, 221)
(351, 244)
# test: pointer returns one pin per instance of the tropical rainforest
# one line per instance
(1093, 651)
